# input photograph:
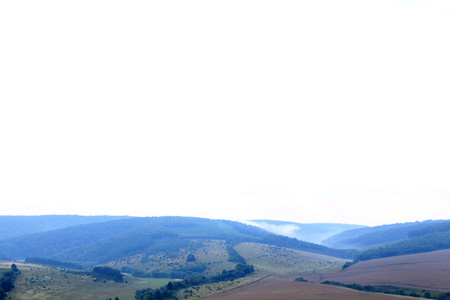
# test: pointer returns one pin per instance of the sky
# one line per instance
(303, 111)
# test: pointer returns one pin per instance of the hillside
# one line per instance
(420, 244)
(313, 233)
(270, 259)
(38, 283)
(12, 226)
(378, 236)
(104, 242)
(429, 270)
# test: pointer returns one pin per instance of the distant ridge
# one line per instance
(309, 232)
(378, 236)
(394, 239)
(11, 226)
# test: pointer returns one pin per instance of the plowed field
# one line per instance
(429, 270)
(285, 288)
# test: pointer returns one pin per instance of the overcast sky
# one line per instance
(304, 111)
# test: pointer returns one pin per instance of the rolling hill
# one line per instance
(100, 243)
(420, 244)
(13, 226)
(395, 239)
(378, 236)
(192, 248)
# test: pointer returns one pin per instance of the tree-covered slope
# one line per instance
(374, 237)
(107, 241)
(11, 226)
(419, 244)
(313, 233)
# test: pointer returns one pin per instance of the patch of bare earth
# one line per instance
(285, 288)
(429, 271)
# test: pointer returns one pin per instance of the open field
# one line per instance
(215, 288)
(429, 270)
(37, 282)
(269, 259)
(285, 288)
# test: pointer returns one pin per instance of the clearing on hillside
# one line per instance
(269, 259)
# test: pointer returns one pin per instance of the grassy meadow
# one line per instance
(38, 282)
(269, 259)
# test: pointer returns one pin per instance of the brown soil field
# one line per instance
(429, 270)
(285, 288)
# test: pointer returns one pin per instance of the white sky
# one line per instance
(306, 111)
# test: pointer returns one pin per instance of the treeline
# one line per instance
(181, 273)
(425, 243)
(234, 256)
(394, 290)
(7, 281)
(439, 227)
(107, 273)
(170, 290)
(52, 263)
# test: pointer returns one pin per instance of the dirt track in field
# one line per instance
(285, 288)
(429, 270)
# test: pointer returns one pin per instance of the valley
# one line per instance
(191, 258)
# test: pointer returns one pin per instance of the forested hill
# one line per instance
(423, 239)
(92, 244)
(379, 236)
(11, 226)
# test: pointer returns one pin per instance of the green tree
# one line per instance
(158, 296)
(191, 258)
(6, 284)
(14, 268)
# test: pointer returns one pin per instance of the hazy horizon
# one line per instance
(309, 112)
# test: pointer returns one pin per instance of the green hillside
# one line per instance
(104, 242)
(420, 244)
(380, 236)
